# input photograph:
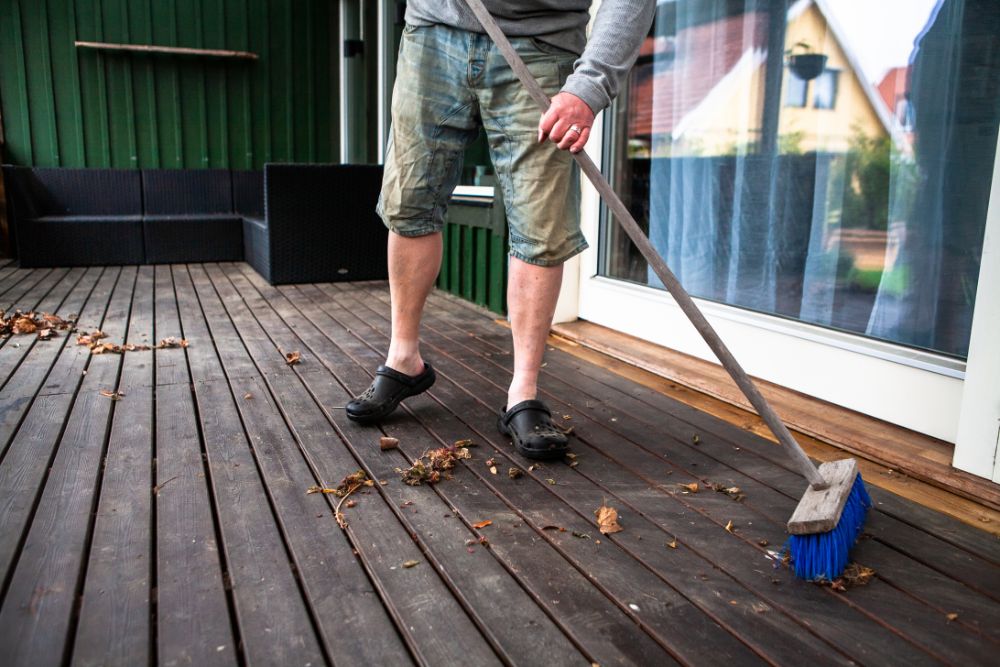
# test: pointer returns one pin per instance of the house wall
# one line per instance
(829, 129)
(64, 106)
(737, 102)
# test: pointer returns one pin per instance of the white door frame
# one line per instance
(976, 449)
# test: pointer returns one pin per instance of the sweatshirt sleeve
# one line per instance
(619, 29)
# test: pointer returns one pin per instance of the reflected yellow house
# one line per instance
(710, 102)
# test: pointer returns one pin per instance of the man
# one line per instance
(450, 80)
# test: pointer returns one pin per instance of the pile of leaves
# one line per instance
(433, 465)
(44, 324)
(854, 574)
(93, 341)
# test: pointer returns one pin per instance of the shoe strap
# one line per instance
(530, 404)
(403, 378)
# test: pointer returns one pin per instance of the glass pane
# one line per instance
(795, 90)
(826, 90)
(861, 209)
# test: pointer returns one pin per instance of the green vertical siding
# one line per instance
(69, 107)
(474, 266)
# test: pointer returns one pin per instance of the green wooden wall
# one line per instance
(73, 107)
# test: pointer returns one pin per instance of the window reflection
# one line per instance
(823, 160)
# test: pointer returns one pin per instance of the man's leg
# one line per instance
(532, 292)
(414, 262)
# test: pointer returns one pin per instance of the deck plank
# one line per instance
(194, 623)
(36, 617)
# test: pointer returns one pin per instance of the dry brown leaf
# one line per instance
(856, 574)
(25, 324)
(482, 524)
(320, 489)
(672, 543)
(951, 617)
(550, 481)
(692, 487)
(248, 396)
(607, 519)
(113, 395)
(45, 334)
(350, 503)
(410, 563)
(729, 526)
(292, 358)
(515, 473)
(386, 442)
(171, 341)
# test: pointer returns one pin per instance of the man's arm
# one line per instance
(619, 29)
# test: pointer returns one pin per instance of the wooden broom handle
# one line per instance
(660, 268)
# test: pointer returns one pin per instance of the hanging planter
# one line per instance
(806, 66)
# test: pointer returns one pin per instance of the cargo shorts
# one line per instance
(451, 82)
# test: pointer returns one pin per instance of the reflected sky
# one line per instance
(881, 32)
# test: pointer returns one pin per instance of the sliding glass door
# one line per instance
(821, 167)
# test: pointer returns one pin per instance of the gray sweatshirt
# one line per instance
(619, 28)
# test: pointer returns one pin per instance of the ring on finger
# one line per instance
(575, 128)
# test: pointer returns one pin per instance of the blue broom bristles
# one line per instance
(823, 556)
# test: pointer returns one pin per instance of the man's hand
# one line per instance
(567, 122)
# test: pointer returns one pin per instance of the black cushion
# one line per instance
(43, 191)
(186, 191)
(192, 238)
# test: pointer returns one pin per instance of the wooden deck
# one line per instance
(173, 527)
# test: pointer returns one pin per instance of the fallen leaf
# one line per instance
(463, 443)
(292, 358)
(692, 487)
(672, 543)
(386, 442)
(248, 395)
(113, 395)
(171, 341)
(25, 324)
(607, 519)
(574, 464)
(856, 574)
(951, 617)
(571, 456)
(320, 489)
(550, 481)
(582, 536)
(695, 439)
(45, 334)
(729, 526)
(515, 473)
(351, 503)
(410, 563)
(482, 524)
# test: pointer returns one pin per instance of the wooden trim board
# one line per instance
(912, 465)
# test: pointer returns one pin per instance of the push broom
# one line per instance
(829, 517)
